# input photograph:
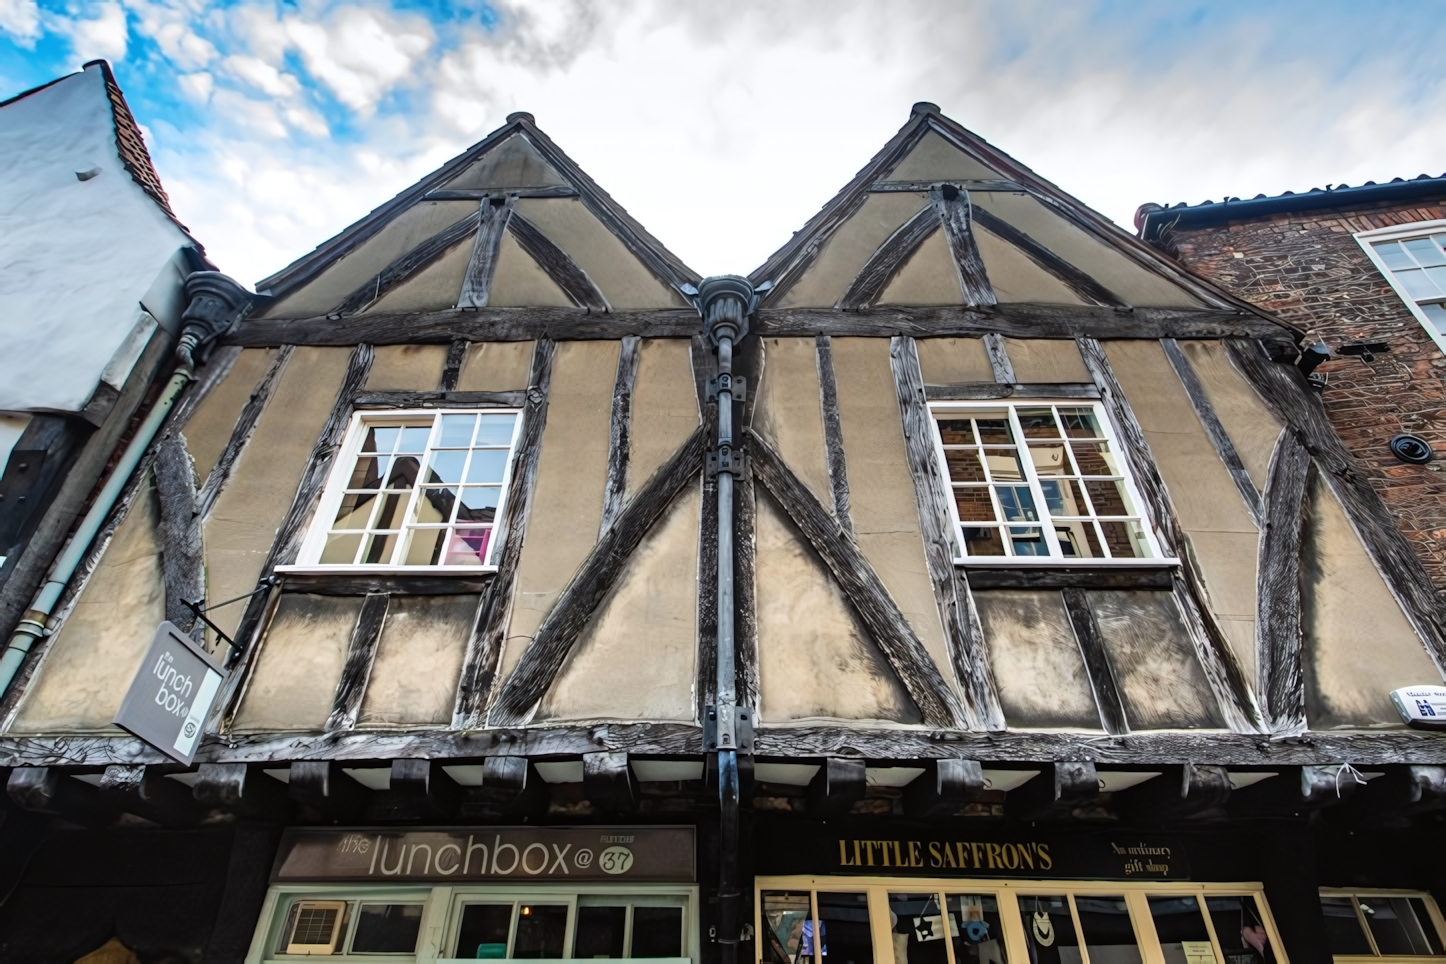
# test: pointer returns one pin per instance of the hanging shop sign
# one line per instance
(513, 854)
(1423, 707)
(172, 694)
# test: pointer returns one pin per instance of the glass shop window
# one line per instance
(600, 926)
(350, 927)
(416, 490)
(1240, 930)
(1033, 481)
(1400, 924)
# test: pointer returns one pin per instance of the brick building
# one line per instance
(1336, 263)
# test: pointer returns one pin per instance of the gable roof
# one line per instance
(999, 218)
(536, 158)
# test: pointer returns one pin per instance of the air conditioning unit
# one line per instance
(315, 927)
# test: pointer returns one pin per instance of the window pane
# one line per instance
(495, 429)
(974, 504)
(1428, 926)
(956, 431)
(483, 934)
(1017, 502)
(600, 932)
(468, 547)
(379, 548)
(843, 924)
(994, 429)
(425, 548)
(390, 514)
(1395, 926)
(446, 467)
(1394, 257)
(975, 929)
(457, 431)
(340, 550)
(381, 438)
(368, 473)
(540, 930)
(355, 511)
(1426, 251)
(404, 473)
(487, 465)
(387, 929)
(1038, 423)
(1049, 930)
(1108, 934)
(1063, 497)
(1094, 458)
(1049, 460)
(1124, 539)
(479, 503)
(1108, 498)
(1004, 465)
(1181, 929)
(964, 465)
(918, 935)
(657, 932)
(1436, 315)
(435, 505)
(414, 438)
(1080, 423)
(983, 542)
(1028, 542)
(1417, 285)
(784, 914)
(1343, 928)
(1240, 930)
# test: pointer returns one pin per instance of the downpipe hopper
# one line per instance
(725, 301)
(214, 302)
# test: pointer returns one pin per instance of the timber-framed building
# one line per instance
(969, 583)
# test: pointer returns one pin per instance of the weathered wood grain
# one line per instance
(862, 587)
(392, 583)
(452, 368)
(620, 429)
(962, 391)
(558, 265)
(241, 433)
(705, 369)
(923, 187)
(484, 645)
(1097, 663)
(1219, 438)
(544, 190)
(1227, 680)
(745, 591)
(289, 534)
(1073, 278)
(554, 639)
(998, 355)
(1066, 578)
(886, 261)
(492, 223)
(407, 266)
(440, 399)
(838, 476)
(1300, 409)
(954, 211)
(967, 651)
(361, 654)
(183, 560)
(1278, 638)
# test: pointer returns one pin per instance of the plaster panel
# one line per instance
(1037, 665)
(293, 686)
(849, 248)
(403, 233)
(636, 658)
(624, 280)
(1251, 425)
(1358, 644)
(815, 660)
(519, 281)
(1046, 361)
(1160, 679)
(407, 368)
(929, 277)
(209, 428)
(571, 472)
(788, 411)
(513, 163)
(881, 490)
(496, 366)
(242, 525)
(434, 288)
(665, 407)
(99, 648)
(935, 159)
(419, 661)
(953, 361)
(1015, 277)
(1121, 274)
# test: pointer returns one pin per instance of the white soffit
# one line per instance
(1113, 781)
(785, 774)
(658, 771)
(467, 774)
(189, 779)
(1007, 780)
(283, 774)
(373, 778)
(568, 771)
(892, 776)
(1241, 780)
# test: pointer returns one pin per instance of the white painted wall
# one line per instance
(77, 258)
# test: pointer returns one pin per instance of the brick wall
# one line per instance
(1308, 269)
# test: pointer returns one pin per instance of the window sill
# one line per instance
(1026, 562)
(395, 580)
(385, 570)
(1058, 574)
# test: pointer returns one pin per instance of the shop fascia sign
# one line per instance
(172, 694)
(487, 854)
(1093, 856)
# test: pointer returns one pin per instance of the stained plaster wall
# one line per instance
(1252, 427)
(518, 280)
(406, 368)
(496, 366)
(953, 361)
(1219, 532)
(1160, 679)
(1045, 360)
(849, 248)
(435, 287)
(1014, 277)
(293, 686)
(788, 411)
(665, 407)
(1358, 644)
(882, 501)
(935, 159)
(624, 280)
(92, 659)
(513, 163)
(1038, 669)
(241, 528)
(208, 430)
(419, 661)
(571, 473)
(929, 277)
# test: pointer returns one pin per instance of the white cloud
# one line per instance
(197, 86)
(105, 35)
(262, 76)
(359, 53)
(21, 20)
(172, 25)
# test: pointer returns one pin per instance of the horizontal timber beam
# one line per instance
(922, 187)
(1012, 320)
(663, 739)
(546, 190)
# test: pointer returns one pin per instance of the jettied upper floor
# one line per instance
(1017, 488)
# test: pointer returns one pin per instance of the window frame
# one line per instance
(334, 491)
(1056, 559)
(1405, 232)
(1434, 918)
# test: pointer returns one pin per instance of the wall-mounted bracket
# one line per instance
(730, 460)
(728, 728)
(739, 388)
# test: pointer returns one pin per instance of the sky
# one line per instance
(723, 126)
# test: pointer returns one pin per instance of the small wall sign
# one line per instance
(1423, 707)
(171, 695)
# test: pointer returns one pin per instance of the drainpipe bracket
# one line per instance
(728, 727)
(739, 388)
(733, 461)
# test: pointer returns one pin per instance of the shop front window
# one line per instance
(1391, 924)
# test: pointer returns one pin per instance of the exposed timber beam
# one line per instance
(999, 363)
(452, 368)
(1071, 277)
(182, 557)
(541, 191)
(954, 211)
(1277, 595)
(1096, 662)
(620, 429)
(923, 187)
(981, 390)
(891, 255)
(477, 282)
(838, 476)
(407, 266)
(351, 687)
(241, 432)
(441, 399)
(558, 265)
